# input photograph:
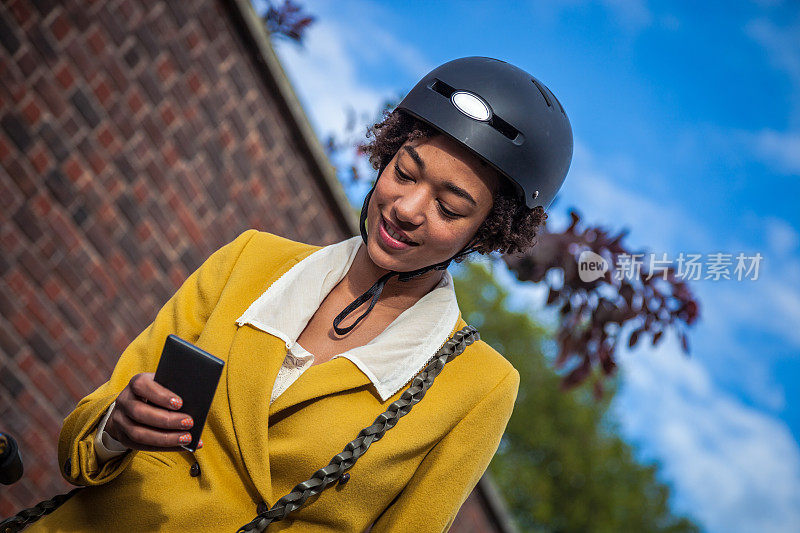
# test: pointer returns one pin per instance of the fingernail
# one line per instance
(186, 438)
(175, 402)
(187, 422)
(200, 444)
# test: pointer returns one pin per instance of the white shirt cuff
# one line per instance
(107, 447)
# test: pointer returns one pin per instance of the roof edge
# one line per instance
(495, 503)
(265, 57)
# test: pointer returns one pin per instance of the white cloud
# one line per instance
(780, 149)
(782, 45)
(732, 467)
(325, 77)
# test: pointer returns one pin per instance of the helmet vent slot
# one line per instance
(442, 88)
(547, 95)
(506, 129)
(541, 90)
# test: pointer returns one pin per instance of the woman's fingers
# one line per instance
(144, 386)
(141, 437)
(154, 416)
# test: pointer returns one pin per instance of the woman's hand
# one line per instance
(146, 417)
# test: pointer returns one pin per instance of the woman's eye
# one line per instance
(448, 213)
(402, 175)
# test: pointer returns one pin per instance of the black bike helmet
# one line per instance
(504, 116)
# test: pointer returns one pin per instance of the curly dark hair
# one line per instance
(509, 228)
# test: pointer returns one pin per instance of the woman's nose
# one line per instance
(410, 210)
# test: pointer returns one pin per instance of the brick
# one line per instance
(131, 57)
(44, 6)
(16, 130)
(61, 188)
(96, 41)
(103, 93)
(151, 86)
(7, 305)
(80, 19)
(135, 101)
(51, 289)
(31, 112)
(71, 312)
(168, 114)
(99, 238)
(85, 107)
(33, 265)
(27, 222)
(73, 169)
(184, 142)
(165, 69)
(78, 56)
(147, 41)
(71, 130)
(66, 271)
(122, 120)
(60, 27)
(51, 96)
(5, 265)
(190, 259)
(39, 159)
(5, 149)
(112, 68)
(21, 12)
(42, 206)
(64, 76)
(154, 131)
(67, 376)
(10, 382)
(79, 215)
(21, 323)
(42, 44)
(177, 10)
(7, 36)
(106, 138)
(9, 343)
(170, 155)
(112, 27)
(53, 141)
(130, 246)
(194, 83)
(128, 207)
(180, 56)
(64, 231)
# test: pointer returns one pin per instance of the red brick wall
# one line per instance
(134, 141)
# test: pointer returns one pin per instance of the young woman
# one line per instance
(468, 161)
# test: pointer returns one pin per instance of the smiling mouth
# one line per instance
(393, 234)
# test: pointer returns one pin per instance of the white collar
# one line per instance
(392, 358)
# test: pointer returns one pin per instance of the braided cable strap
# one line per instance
(26, 516)
(341, 462)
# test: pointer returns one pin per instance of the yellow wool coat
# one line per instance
(414, 479)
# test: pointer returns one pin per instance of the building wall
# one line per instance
(134, 141)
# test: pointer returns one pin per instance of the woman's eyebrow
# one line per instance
(415, 156)
(455, 189)
(449, 185)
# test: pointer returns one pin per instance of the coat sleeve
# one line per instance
(452, 468)
(184, 315)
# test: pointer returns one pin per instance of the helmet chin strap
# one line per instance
(374, 292)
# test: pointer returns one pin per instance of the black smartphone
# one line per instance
(193, 374)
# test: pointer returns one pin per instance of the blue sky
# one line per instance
(687, 133)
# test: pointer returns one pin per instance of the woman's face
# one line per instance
(433, 195)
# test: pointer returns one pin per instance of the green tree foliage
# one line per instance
(561, 465)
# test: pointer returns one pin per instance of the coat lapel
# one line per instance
(253, 363)
(336, 376)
